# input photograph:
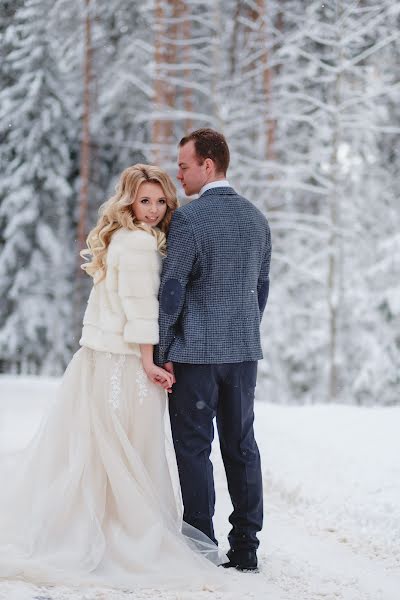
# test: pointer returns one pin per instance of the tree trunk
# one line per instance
(270, 124)
(84, 163)
(188, 93)
(170, 28)
(85, 143)
(335, 242)
(159, 92)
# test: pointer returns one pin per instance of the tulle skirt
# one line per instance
(94, 497)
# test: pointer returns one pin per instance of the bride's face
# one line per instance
(150, 204)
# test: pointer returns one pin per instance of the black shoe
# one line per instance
(242, 560)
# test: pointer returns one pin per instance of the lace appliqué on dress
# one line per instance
(118, 361)
(141, 380)
(92, 357)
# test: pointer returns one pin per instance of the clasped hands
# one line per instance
(161, 376)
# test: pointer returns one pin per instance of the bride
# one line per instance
(91, 499)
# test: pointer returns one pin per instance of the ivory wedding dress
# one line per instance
(91, 499)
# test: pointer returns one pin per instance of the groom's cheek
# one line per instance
(171, 296)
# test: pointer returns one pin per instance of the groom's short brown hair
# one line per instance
(209, 143)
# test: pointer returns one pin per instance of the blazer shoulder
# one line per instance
(253, 209)
(183, 218)
(192, 212)
(184, 211)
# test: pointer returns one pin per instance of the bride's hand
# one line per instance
(159, 376)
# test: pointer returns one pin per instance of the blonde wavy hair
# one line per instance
(117, 213)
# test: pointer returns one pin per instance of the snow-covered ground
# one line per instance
(332, 503)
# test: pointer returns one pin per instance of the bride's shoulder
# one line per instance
(133, 238)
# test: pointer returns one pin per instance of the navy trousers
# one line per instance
(226, 391)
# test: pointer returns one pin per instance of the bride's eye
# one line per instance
(162, 201)
(144, 201)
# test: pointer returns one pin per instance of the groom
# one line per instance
(214, 289)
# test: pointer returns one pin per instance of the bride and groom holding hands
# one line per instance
(92, 498)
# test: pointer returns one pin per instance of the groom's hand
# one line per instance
(169, 366)
(159, 376)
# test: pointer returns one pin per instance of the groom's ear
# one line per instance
(171, 296)
(210, 165)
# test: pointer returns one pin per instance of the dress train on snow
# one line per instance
(91, 499)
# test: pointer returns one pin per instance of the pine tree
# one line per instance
(36, 197)
(329, 141)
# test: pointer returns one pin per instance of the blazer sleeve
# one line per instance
(176, 273)
(263, 280)
(138, 284)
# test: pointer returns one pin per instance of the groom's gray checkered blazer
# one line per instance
(215, 281)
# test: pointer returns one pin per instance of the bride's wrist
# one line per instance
(147, 364)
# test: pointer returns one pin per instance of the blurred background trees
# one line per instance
(307, 95)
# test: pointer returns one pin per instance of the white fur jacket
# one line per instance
(122, 310)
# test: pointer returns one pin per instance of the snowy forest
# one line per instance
(308, 96)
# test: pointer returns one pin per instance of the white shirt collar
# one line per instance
(214, 184)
